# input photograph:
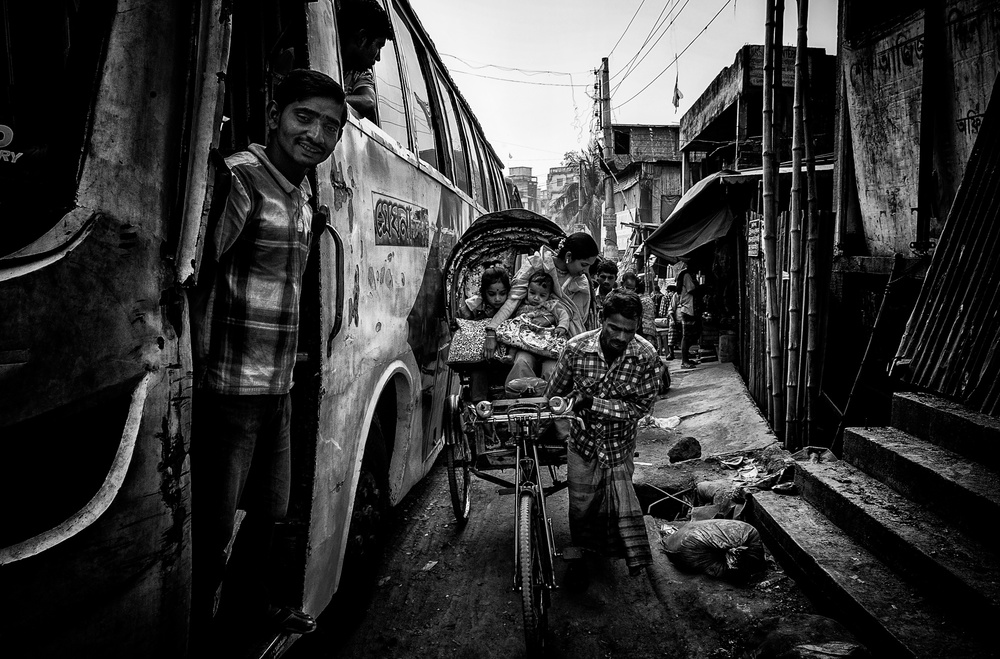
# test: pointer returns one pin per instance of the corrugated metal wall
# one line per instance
(950, 343)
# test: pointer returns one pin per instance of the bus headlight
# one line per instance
(484, 409)
(560, 405)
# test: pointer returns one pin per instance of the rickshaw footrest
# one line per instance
(505, 490)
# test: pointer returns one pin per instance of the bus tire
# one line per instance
(366, 535)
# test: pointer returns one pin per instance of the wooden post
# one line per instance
(770, 220)
(794, 241)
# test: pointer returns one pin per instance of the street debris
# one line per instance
(686, 448)
(803, 636)
(722, 548)
(650, 421)
(430, 565)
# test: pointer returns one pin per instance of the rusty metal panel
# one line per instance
(951, 339)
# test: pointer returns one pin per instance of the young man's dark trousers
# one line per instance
(240, 459)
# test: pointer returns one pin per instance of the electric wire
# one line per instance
(657, 22)
(674, 61)
(636, 65)
(626, 28)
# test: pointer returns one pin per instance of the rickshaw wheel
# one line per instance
(458, 455)
(534, 593)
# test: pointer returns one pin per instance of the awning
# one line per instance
(705, 213)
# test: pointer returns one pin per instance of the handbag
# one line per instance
(467, 344)
(524, 335)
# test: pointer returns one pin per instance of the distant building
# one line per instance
(562, 195)
(647, 184)
(527, 186)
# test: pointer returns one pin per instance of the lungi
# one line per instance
(604, 513)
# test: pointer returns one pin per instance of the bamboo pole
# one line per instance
(794, 241)
(813, 361)
(770, 217)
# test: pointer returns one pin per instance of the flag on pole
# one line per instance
(677, 93)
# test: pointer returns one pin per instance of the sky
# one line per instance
(527, 67)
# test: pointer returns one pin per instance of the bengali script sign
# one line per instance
(398, 222)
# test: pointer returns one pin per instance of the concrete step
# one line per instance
(950, 566)
(949, 425)
(961, 491)
(893, 618)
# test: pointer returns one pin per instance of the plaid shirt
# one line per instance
(623, 393)
(249, 335)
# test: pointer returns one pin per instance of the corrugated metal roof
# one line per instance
(950, 343)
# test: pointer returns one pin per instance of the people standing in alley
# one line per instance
(364, 27)
(648, 330)
(244, 335)
(668, 311)
(687, 290)
(567, 262)
(604, 282)
(612, 374)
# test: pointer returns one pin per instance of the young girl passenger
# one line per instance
(493, 289)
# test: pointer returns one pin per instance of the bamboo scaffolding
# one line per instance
(770, 219)
(794, 241)
(813, 361)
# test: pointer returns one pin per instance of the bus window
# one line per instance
(475, 165)
(458, 160)
(49, 90)
(389, 92)
(424, 135)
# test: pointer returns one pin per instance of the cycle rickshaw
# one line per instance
(507, 433)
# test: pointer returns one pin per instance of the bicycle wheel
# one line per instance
(534, 593)
(458, 455)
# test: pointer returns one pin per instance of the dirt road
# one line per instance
(447, 592)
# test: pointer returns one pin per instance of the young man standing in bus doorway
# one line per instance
(613, 374)
(364, 28)
(245, 331)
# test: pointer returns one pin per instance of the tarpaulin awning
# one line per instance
(705, 213)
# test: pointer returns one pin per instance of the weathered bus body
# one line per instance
(112, 111)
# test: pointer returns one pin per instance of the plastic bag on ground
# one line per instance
(723, 548)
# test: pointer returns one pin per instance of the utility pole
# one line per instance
(610, 235)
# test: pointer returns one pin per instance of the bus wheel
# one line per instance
(371, 504)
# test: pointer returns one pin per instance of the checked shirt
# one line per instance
(249, 336)
(623, 393)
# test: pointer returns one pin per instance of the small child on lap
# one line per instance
(541, 308)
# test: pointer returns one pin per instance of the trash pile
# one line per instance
(707, 535)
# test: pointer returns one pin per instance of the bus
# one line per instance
(113, 129)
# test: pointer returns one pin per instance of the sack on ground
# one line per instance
(723, 548)
(525, 335)
(467, 344)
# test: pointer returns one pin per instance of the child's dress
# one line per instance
(551, 313)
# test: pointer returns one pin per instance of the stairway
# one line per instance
(900, 539)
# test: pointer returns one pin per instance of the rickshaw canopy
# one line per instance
(501, 236)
